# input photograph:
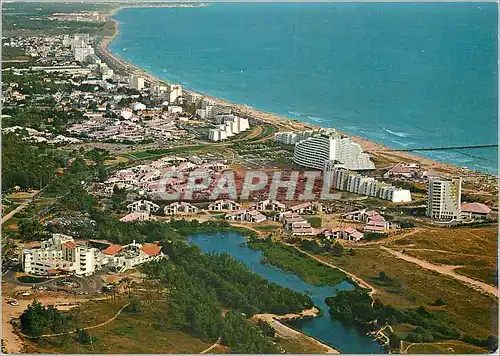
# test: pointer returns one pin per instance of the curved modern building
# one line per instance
(329, 148)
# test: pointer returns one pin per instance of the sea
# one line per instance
(407, 75)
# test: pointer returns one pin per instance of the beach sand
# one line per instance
(383, 153)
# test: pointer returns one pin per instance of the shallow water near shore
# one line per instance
(333, 333)
(403, 74)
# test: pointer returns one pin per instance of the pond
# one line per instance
(333, 333)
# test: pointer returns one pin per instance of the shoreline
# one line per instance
(284, 123)
(286, 331)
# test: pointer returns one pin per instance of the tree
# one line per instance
(84, 337)
(439, 302)
(383, 277)
(394, 341)
(37, 318)
(31, 230)
(337, 249)
(492, 342)
(135, 306)
(266, 329)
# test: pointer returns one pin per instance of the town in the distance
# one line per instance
(142, 217)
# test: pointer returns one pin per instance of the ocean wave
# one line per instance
(294, 113)
(353, 128)
(399, 134)
(317, 119)
(403, 144)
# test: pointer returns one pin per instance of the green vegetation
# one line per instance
(469, 310)
(265, 227)
(26, 165)
(17, 18)
(355, 308)
(98, 155)
(31, 83)
(371, 236)
(444, 347)
(474, 249)
(268, 130)
(41, 119)
(243, 337)
(31, 279)
(13, 53)
(314, 221)
(230, 281)
(38, 319)
(200, 284)
(291, 260)
(128, 333)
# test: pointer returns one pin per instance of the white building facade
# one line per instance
(328, 147)
(444, 198)
(136, 82)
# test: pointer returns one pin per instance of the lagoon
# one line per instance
(333, 333)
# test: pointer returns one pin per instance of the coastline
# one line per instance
(376, 149)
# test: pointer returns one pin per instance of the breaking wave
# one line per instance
(399, 134)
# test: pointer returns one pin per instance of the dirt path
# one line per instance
(445, 252)
(260, 232)
(217, 343)
(355, 278)
(86, 328)
(445, 270)
(12, 341)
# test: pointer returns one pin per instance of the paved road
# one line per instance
(87, 284)
(23, 205)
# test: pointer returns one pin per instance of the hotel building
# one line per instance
(328, 147)
(344, 180)
(136, 82)
(59, 253)
(444, 198)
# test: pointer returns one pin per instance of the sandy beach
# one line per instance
(377, 150)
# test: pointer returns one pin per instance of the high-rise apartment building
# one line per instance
(444, 198)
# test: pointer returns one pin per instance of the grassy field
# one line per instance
(266, 227)
(128, 333)
(448, 347)
(475, 249)
(300, 345)
(410, 285)
(315, 221)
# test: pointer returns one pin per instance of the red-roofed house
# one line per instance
(69, 244)
(112, 250)
(150, 249)
(475, 210)
(347, 233)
